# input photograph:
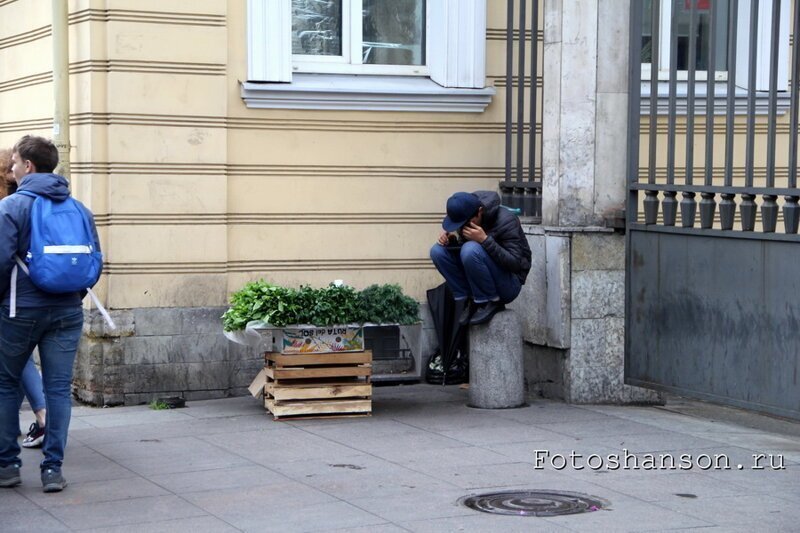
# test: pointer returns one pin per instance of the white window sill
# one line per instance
(720, 99)
(364, 93)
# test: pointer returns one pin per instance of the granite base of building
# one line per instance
(161, 352)
(180, 352)
(573, 306)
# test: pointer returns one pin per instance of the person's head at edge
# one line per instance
(7, 183)
(33, 155)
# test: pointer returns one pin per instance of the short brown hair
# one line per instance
(39, 151)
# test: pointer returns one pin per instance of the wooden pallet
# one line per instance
(318, 385)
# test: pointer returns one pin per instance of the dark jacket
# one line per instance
(15, 238)
(506, 242)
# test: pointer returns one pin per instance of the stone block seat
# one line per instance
(496, 372)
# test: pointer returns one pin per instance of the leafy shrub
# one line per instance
(281, 306)
(386, 304)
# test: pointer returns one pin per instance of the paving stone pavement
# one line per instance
(225, 465)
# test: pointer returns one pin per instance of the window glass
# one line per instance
(317, 27)
(647, 32)
(394, 32)
(702, 33)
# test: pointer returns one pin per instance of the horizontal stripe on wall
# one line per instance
(265, 266)
(718, 173)
(267, 124)
(111, 66)
(500, 82)
(720, 128)
(120, 15)
(500, 34)
(271, 219)
(287, 171)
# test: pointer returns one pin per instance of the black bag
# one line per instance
(457, 374)
(449, 364)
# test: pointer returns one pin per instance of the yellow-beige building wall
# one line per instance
(195, 194)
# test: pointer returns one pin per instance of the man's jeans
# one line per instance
(471, 273)
(56, 331)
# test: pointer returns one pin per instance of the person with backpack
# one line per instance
(482, 254)
(32, 386)
(49, 256)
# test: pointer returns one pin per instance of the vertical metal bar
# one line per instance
(634, 125)
(634, 104)
(691, 93)
(532, 155)
(509, 83)
(654, 47)
(672, 100)
(711, 84)
(521, 87)
(772, 117)
(795, 98)
(730, 121)
(751, 94)
(791, 207)
(669, 205)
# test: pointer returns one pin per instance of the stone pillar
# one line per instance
(584, 119)
(575, 295)
(496, 372)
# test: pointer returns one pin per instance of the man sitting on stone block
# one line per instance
(482, 253)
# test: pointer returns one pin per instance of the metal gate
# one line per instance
(713, 252)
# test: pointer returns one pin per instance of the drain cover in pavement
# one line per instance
(534, 502)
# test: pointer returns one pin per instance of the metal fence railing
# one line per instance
(749, 189)
(522, 186)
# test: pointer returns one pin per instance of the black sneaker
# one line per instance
(9, 476)
(35, 437)
(52, 480)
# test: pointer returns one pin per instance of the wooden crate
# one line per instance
(318, 385)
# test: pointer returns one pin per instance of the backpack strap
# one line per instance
(13, 297)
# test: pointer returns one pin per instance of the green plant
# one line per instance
(260, 300)
(158, 405)
(334, 304)
(337, 305)
(386, 304)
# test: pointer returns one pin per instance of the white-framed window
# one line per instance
(441, 41)
(678, 11)
(360, 37)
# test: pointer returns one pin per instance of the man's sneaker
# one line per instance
(52, 480)
(9, 476)
(35, 436)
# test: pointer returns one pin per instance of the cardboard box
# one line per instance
(304, 340)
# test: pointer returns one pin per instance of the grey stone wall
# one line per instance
(161, 352)
(573, 310)
(595, 371)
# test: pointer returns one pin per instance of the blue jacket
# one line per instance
(15, 239)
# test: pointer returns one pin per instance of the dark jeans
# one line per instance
(471, 273)
(56, 331)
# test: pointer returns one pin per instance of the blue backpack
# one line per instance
(62, 256)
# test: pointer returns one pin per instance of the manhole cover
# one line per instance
(534, 502)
